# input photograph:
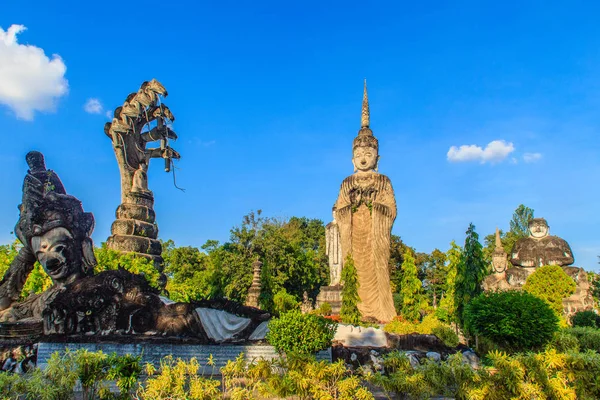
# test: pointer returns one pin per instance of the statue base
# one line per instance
(153, 352)
(331, 295)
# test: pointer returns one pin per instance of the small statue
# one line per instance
(540, 248)
(140, 179)
(306, 305)
(333, 250)
(365, 213)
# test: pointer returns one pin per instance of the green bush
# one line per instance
(324, 309)
(588, 338)
(586, 318)
(516, 321)
(564, 341)
(297, 333)
(551, 284)
(284, 301)
(446, 334)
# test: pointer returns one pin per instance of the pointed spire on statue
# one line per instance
(498, 240)
(365, 117)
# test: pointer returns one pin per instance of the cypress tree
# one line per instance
(349, 311)
(411, 289)
(471, 271)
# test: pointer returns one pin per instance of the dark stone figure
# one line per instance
(540, 248)
(56, 232)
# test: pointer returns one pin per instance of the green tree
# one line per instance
(435, 276)
(471, 271)
(349, 310)
(109, 259)
(446, 312)
(411, 289)
(519, 224)
(551, 284)
(189, 272)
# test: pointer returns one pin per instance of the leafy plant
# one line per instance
(446, 334)
(516, 321)
(349, 310)
(283, 301)
(586, 318)
(551, 284)
(297, 333)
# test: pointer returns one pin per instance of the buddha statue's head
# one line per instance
(538, 228)
(365, 155)
(57, 231)
(365, 148)
(35, 161)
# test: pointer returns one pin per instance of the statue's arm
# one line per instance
(15, 277)
(385, 202)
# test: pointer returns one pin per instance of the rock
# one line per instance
(432, 355)
(356, 336)
(413, 358)
(469, 357)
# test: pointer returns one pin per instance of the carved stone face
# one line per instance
(365, 158)
(538, 229)
(57, 251)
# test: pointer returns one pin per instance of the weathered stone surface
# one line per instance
(331, 295)
(540, 248)
(537, 250)
(333, 249)
(54, 231)
(358, 336)
(365, 212)
(153, 353)
(130, 132)
(255, 287)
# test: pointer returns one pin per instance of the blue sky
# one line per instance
(267, 99)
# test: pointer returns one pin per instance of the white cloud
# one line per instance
(93, 106)
(532, 157)
(29, 80)
(494, 152)
(109, 114)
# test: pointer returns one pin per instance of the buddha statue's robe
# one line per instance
(366, 210)
(549, 250)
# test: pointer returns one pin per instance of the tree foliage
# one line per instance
(109, 259)
(411, 289)
(446, 312)
(349, 310)
(471, 271)
(551, 284)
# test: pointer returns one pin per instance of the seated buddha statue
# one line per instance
(540, 248)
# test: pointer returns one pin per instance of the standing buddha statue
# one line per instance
(365, 211)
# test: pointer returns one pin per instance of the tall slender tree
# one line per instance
(349, 311)
(447, 310)
(411, 289)
(471, 271)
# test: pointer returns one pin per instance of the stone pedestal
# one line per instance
(135, 229)
(153, 353)
(331, 295)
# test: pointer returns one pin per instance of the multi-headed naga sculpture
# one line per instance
(142, 119)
